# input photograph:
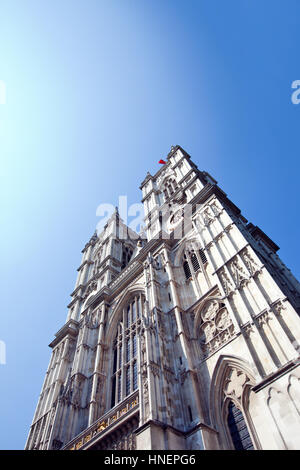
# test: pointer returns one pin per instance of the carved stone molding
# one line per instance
(208, 216)
(92, 319)
(210, 213)
(235, 383)
(278, 307)
(263, 318)
(216, 328)
(69, 353)
(238, 273)
(248, 330)
(216, 209)
(145, 396)
(252, 266)
(226, 282)
(90, 288)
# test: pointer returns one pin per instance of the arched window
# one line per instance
(193, 261)
(170, 187)
(126, 256)
(187, 270)
(237, 426)
(124, 367)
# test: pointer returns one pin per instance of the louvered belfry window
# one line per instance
(124, 374)
(193, 261)
(202, 256)
(186, 268)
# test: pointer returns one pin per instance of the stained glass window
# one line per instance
(240, 436)
(124, 367)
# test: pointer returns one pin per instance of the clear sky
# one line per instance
(96, 93)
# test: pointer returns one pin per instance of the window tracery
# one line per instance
(125, 367)
(170, 187)
(193, 261)
(216, 326)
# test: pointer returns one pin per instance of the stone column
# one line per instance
(97, 367)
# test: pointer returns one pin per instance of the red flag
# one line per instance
(162, 162)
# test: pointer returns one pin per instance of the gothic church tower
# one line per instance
(184, 338)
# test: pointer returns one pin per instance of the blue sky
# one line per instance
(96, 93)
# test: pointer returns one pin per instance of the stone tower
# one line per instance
(183, 338)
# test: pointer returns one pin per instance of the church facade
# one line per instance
(185, 337)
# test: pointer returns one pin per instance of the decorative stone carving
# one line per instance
(248, 330)
(252, 266)
(278, 307)
(223, 319)
(210, 310)
(145, 388)
(238, 273)
(226, 282)
(92, 319)
(216, 210)
(217, 327)
(69, 354)
(180, 197)
(161, 324)
(208, 216)
(177, 216)
(90, 288)
(210, 213)
(164, 174)
(77, 392)
(207, 331)
(263, 318)
(144, 377)
(235, 383)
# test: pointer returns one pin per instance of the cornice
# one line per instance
(255, 231)
(76, 290)
(77, 298)
(70, 328)
(93, 240)
(181, 432)
(153, 190)
(275, 375)
(147, 178)
(103, 294)
(84, 263)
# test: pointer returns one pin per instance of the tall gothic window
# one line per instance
(124, 377)
(238, 428)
